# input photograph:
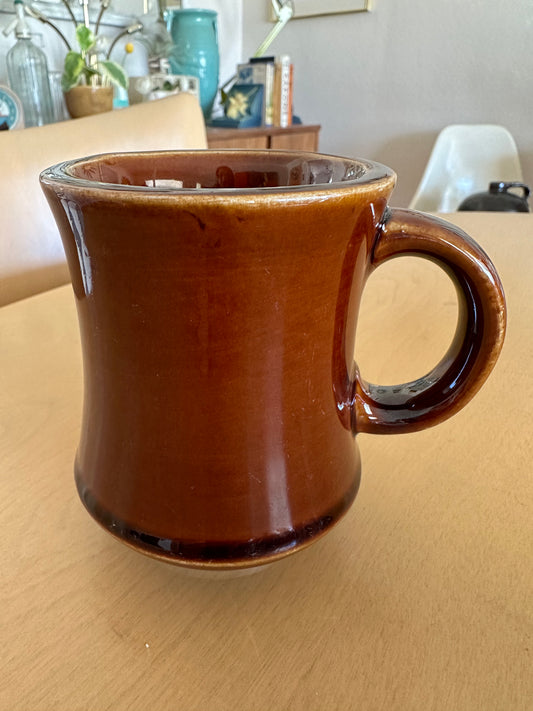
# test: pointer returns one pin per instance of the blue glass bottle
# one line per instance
(195, 52)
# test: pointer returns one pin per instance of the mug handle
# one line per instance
(422, 403)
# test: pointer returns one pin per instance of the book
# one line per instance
(283, 91)
(260, 70)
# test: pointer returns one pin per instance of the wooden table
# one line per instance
(420, 599)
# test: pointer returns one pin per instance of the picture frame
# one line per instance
(314, 8)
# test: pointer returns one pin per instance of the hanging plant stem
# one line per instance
(39, 16)
(69, 10)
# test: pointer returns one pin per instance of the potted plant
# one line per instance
(88, 80)
(88, 74)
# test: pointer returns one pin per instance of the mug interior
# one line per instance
(219, 170)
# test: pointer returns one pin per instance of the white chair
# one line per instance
(31, 253)
(464, 160)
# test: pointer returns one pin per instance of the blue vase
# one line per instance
(195, 52)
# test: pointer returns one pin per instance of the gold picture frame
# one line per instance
(313, 8)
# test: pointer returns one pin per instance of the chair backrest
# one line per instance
(31, 254)
(464, 160)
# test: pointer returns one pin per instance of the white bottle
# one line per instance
(27, 70)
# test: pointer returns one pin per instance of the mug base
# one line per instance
(205, 555)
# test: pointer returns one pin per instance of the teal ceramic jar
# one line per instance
(195, 53)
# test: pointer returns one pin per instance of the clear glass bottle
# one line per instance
(27, 70)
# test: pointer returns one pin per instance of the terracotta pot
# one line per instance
(88, 100)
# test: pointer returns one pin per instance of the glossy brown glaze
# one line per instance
(218, 325)
(477, 342)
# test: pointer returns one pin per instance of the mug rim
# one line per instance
(368, 173)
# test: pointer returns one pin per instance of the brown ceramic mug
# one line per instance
(217, 295)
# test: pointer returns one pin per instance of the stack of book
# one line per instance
(261, 94)
(275, 75)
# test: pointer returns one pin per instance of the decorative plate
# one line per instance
(11, 115)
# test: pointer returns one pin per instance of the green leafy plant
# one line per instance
(84, 67)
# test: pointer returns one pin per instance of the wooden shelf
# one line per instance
(297, 137)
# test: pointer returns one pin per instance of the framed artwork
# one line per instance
(310, 8)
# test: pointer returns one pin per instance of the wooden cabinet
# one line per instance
(298, 137)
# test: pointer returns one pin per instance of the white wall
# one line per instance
(383, 83)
